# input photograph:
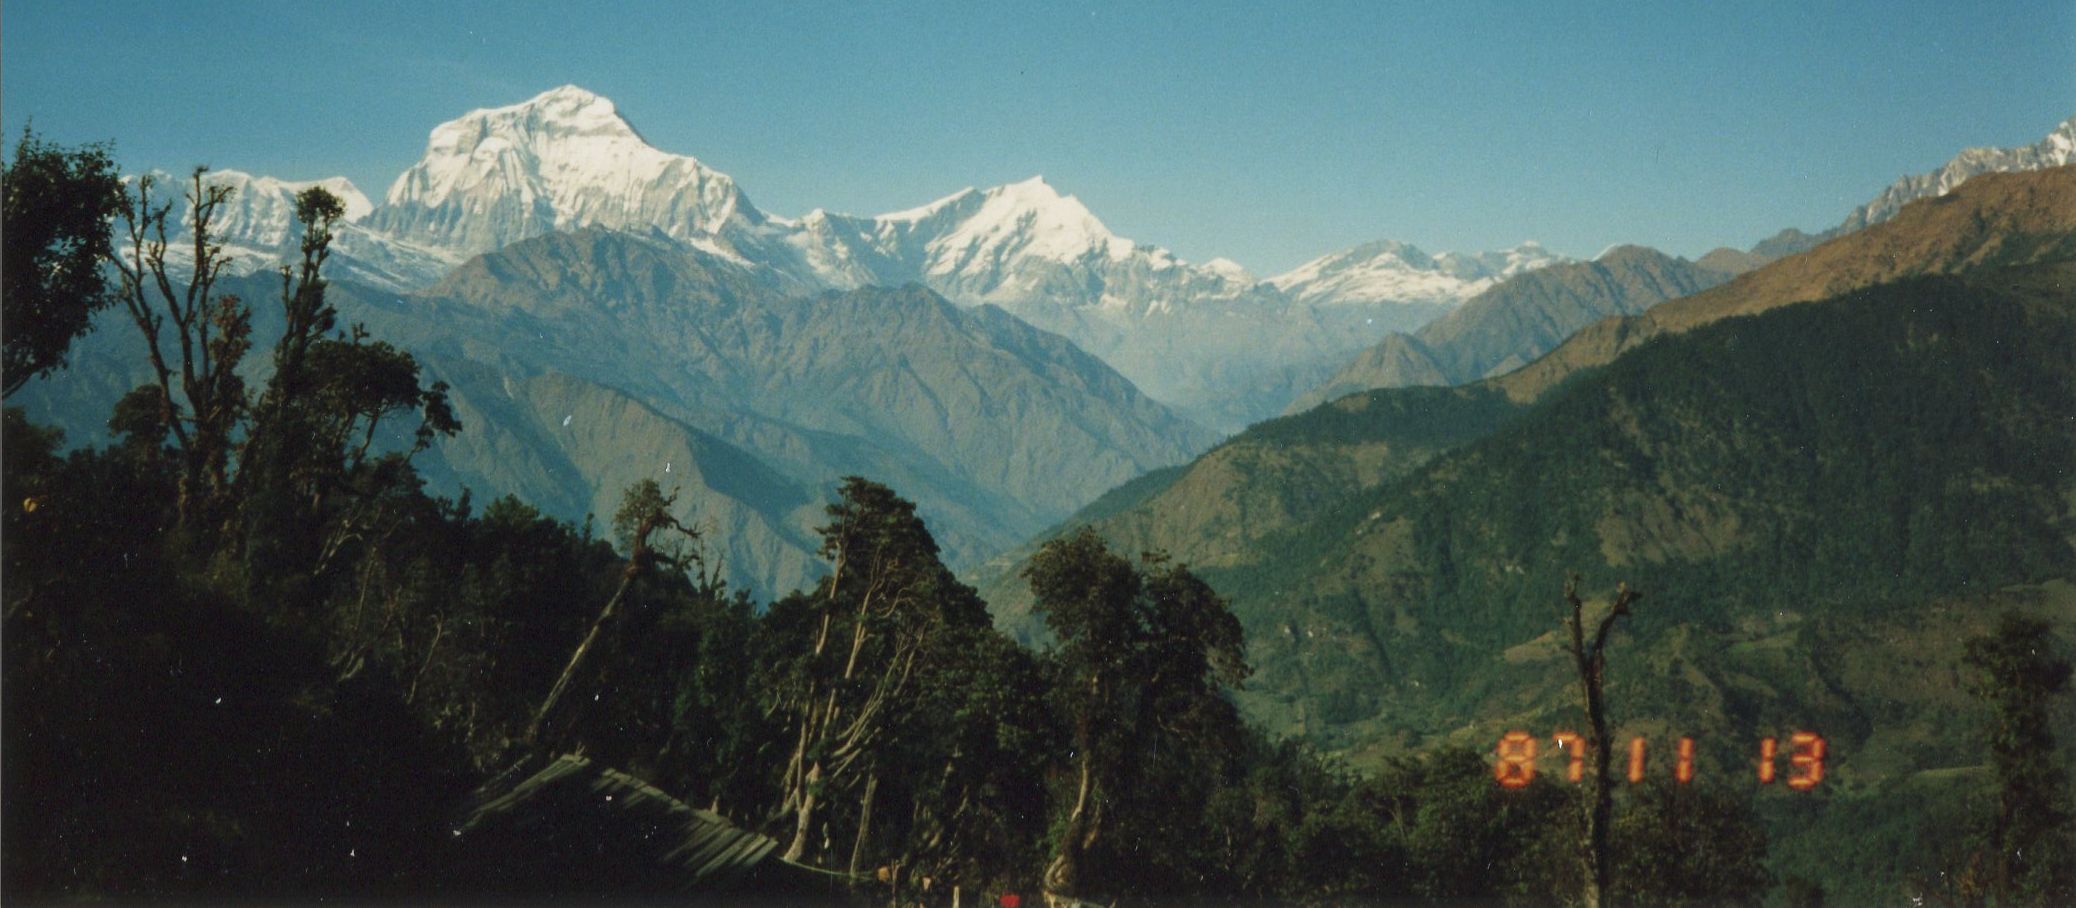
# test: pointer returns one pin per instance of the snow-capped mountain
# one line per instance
(562, 160)
(2057, 149)
(1231, 271)
(1207, 338)
(255, 220)
(257, 227)
(1211, 339)
(261, 211)
(1008, 245)
(1390, 272)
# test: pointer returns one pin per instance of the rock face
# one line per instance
(1516, 321)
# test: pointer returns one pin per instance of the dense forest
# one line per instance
(246, 655)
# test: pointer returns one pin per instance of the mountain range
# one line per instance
(545, 258)
(583, 361)
(1222, 346)
(606, 311)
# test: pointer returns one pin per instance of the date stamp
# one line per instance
(1518, 750)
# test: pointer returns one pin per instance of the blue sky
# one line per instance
(1264, 132)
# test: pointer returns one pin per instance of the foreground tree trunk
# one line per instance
(1599, 807)
(1084, 823)
(1063, 874)
(864, 822)
(645, 511)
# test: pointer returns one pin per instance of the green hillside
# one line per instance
(1824, 476)
(1815, 466)
(1274, 478)
(1819, 502)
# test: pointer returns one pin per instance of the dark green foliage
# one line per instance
(315, 425)
(1436, 828)
(1689, 845)
(164, 741)
(1142, 656)
(909, 733)
(2019, 672)
(970, 755)
(1906, 838)
(1413, 417)
(1923, 416)
(55, 206)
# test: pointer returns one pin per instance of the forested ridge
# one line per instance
(248, 656)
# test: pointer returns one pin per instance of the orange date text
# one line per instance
(1518, 754)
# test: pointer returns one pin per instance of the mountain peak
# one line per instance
(1624, 251)
(1038, 195)
(569, 90)
(564, 158)
(1033, 219)
(569, 107)
(257, 191)
(923, 211)
(1230, 270)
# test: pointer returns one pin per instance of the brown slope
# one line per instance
(1993, 220)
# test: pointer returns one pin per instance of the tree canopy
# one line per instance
(55, 207)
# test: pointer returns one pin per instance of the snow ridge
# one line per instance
(1211, 339)
(1387, 271)
(2057, 149)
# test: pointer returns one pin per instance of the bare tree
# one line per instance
(1591, 659)
(201, 398)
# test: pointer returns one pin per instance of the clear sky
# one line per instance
(1265, 132)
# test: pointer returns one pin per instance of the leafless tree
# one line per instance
(1590, 656)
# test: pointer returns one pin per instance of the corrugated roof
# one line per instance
(570, 827)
